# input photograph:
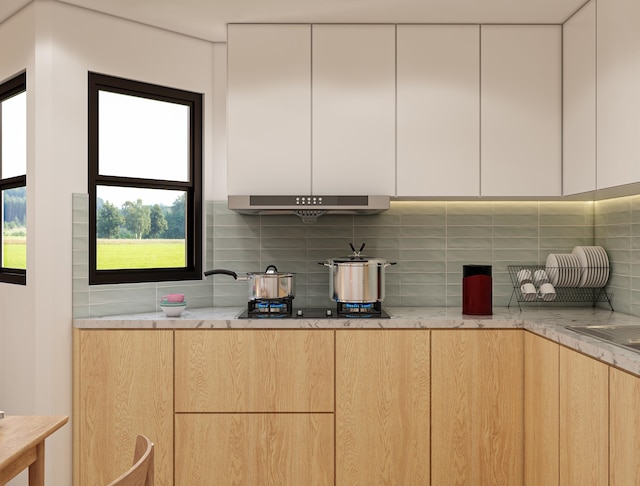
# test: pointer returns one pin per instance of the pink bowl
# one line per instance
(173, 298)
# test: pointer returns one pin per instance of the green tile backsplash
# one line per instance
(614, 231)
(430, 241)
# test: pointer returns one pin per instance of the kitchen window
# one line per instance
(13, 179)
(145, 195)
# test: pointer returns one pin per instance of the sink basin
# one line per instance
(634, 346)
(625, 336)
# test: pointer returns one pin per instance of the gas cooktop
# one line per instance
(315, 313)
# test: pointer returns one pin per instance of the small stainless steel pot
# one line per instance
(267, 285)
(356, 278)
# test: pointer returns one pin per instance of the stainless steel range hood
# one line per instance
(309, 208)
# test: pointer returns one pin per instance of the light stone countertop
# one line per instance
(548, 321)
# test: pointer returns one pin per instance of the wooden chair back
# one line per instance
(141, 473)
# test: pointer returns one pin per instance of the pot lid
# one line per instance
(356, 257)
(271, 271)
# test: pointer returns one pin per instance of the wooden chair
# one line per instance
(141, 473)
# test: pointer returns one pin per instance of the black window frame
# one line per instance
(193, 187)
(8, 89)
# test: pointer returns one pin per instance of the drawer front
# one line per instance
(254, 371)
(248, 448)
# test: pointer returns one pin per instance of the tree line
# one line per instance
(140, 221)
(15, 207)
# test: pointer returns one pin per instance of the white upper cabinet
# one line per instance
(353, 109)
(438, 110)
(269, 109)
(618, 51)
(579, 102)
(521, 110)
(476, 111)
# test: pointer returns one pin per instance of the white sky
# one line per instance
(141, 137)
(14, 136)
(119, 195)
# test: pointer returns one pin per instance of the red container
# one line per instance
(477, 290)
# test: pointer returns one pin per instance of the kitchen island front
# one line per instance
(427, 395)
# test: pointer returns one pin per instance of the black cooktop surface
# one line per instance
(316, 313)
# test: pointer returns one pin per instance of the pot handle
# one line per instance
(271, 269)
(220, 271)
(356, 252)
(324, 264)
(390, 263)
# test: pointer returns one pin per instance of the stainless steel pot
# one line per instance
(267, 285)
(356, 278)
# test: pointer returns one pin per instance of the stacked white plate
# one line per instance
(595, 265)
(563, 269)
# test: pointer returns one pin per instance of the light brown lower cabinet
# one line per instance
(254, 407)
(123, 386)
(477, 407)
(541, 413)
(254, 449)
(348, 407)
(584, 420)
(624, 423)
(382, 407)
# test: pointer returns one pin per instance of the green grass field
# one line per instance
(117, 254)
(112, 254)
(14, 253)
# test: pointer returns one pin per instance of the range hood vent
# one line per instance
(309, 208)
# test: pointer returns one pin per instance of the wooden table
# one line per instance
(22, 445)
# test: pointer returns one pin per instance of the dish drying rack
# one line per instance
(562, 294)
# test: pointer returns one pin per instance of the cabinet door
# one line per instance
(618, 76)
(354, 109)
(123, 387)
(624, 417)
(382, 407)
(438, 110)
(521, 110)
(269, 109)
(477, 407)
(541, 401)
(254, 371)
(579, 101)
(253, 449)
(584, 419)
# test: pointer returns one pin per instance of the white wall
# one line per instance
(16, 52)
(59, 44)
(219, 179)
(18, 383)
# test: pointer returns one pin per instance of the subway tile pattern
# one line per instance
(615, 230)
(428, 242)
